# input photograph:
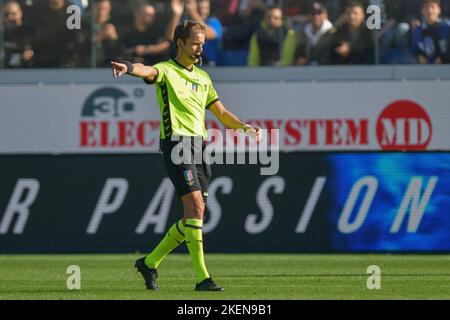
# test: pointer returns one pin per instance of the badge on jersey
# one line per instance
(188, 177)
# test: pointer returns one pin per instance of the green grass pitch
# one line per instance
(244, 276)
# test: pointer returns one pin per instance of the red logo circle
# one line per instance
(404, 125)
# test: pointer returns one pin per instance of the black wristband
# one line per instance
(130, 67)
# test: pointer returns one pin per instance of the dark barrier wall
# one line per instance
(345, 202)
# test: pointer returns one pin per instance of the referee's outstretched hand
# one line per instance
(118, 69)
(258, 134)
(254, 132)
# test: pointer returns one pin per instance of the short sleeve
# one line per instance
(159, 77)
(212, 96)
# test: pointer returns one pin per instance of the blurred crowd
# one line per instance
(239, 32)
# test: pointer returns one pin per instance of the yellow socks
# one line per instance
(173, 238)
(194, 242)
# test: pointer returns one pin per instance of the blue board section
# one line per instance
(399, 217)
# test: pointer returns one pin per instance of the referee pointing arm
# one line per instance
(184, 93)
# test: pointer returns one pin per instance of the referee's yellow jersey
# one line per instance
(183, 96)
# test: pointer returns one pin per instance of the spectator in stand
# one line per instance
(55, 45)
(227, 11)
(240, 29)
(273, 43)
(252, 12)
(32, 11)
(147, 41)
(414, 11)
(200, 10)
(315, 41)
(17, 40)
(339, 7)
(395, 34)
(353, 41)
(107, 39)
(430, 41)
(102, 11)
(296, 12)
(335, 9)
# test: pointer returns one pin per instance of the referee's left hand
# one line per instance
(255, 132)
(258, 135)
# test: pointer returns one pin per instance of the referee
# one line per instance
(184, 92)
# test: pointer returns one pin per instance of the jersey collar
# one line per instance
(180, 65)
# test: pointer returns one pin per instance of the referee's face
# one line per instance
(193, 47)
